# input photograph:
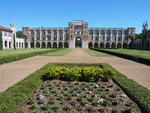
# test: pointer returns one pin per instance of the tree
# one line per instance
(138, 36)
(25, 42)
(33, 43)
(1, 41)
(14, 42)
(143, 42)
(19, 34)
(132, 42)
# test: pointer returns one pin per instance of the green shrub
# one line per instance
(75, 73)
(10, 58)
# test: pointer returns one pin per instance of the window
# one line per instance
(78, 32)
(66, 32)
(113, 37)
(5, 33)
(60, 32)
(49, 32)
(48, 37)
(81, 32)
(31, 37)
(75, 27)
(43, 38)
(37, 38)
(9, 34)
(66, 38)
(37, 32)
(54, 32)
(96, 38)
(107, 38)
(32, 32)
(74, 32)
(131, 33)
(71, 26)
(43, 32)
(54, 38)
(85, 26)
(59, 38)
(119, 39)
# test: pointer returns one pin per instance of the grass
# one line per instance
(7, 52)
(141, 53)
(96, 53)
(62, 52)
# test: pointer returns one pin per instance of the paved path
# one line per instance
(11, 73)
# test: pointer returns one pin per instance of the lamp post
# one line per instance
(144, 34)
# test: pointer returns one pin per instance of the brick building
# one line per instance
(90, 37)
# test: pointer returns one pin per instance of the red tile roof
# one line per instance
(148, 30)
(4, 28)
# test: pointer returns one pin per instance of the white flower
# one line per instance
(123, 95)
(96, 85)
(100, 100)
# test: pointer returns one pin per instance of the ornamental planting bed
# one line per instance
(78, 96)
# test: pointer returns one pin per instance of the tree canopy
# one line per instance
(138, 36)
(19, 34)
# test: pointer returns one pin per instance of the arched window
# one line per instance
(78, 32)
(59, 38)
(107, 38)
(43, 38)
(37, 38)
(96, 38)
(54, 38)
(71, 26)
(65, 38)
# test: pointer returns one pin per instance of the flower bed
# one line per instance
(65, 96)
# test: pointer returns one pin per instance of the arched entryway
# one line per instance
(37, 45)
(102, 45)
(9, 44)
(125, 45)
(60, 45)
(5, 43)
(65, 45)
(119, 45)
(107, 45)
(96, 45)
(90, 45)
(54, 45)
(43, 45)
(78, 42)
(31, 44)
(113, 45)
(22, 45)
(48, 45)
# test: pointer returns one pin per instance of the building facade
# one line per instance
(8, 37)
(90, 37)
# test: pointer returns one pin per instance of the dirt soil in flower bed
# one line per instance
(107, 94)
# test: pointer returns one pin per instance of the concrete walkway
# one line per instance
(11, 73)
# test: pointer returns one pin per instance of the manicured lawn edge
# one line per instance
(135, 91)
(10, 58)
(127, 56)
(15, 95)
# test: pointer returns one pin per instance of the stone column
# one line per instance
(40, 44)
(98, 45)
(104, 35)
(7, 43)
(28, 44)
(40, 35)
(104, 44)
(93, 44)
(51, 35)
(52, 45)
(57, 35)
(110, 45)
(45, 44)
(57, 45)
(110, 35)
(99, 36)
(62, 44)
(116, 36)
(62, 35)
(93, 35)
(121, 45)
(116, 45)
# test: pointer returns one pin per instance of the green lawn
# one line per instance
(62, 52)
(140, 53)
(96, 53)
(7, 52)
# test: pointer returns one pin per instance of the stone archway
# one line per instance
(102, 45)
(31, 44)
(37, 45)
(90, 45)
(48, 45)
(65, 45)
(60, 45)
(107, 45)
(96, 45)
(113, 45)
(43, 45)
(78, 42)
(54, 45)
(9, 44)
(119, 45)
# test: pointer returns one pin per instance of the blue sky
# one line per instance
(57, 13)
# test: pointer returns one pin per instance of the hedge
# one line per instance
(135, 91)
(10, 58)
(15, 95)
(127, 56)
